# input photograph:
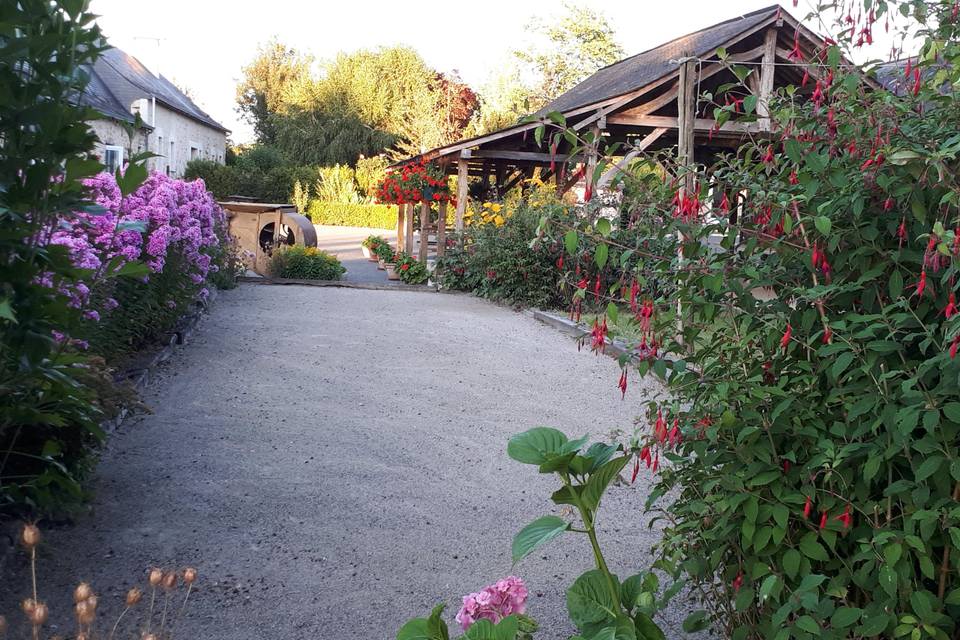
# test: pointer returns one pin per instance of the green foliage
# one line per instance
(815, 489)
(316, 135)
(305, 263)
(276, 78)
(384, 251)
(259, 173)
(47, 416)
(369, 173)
(410, 270)
(375, 216)
(337, 184)
(220, 180)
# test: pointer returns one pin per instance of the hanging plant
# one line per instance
(415, 182)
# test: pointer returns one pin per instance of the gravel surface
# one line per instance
(333, 462)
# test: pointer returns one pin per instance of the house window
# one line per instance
(194, 153)
(112, 157)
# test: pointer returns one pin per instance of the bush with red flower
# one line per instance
(410, 270)
(415, 182)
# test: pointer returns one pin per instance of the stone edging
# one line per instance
(343, 284)
(615, 348)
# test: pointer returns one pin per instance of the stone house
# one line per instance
(170, 124)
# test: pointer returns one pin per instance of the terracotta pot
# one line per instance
(367, 253)
(392, 272)
(380, 264)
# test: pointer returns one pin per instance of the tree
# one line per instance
(503, 100)
(318, 135)
(578, 44)
(277, 78)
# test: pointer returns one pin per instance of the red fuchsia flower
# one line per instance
(806, 78)
(817, 96)
(786, 466)
(737, 582)
(599, 336)
(634, 292)
(888, 204)
(794, 178)
(660, 427)
(902, 231)
(646, 457)
(852, 149)
(491, 274)
(622, 384)
(922, 285)
(675, 435)
(636, 470)
(588, 192)
(953, 346)
(846, 519)
(560, 262)
(768, 157)
(823, 520)
(596, 288)
(916, 81)
(795, 54)
(553, 153)
(951, 306)
(785, 339)
(827, 335)
(807, 508)
(645, 316)
(725, 203)
(656, 462)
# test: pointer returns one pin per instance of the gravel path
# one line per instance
(333, 462)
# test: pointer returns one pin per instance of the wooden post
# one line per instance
(400, 227)
(686, 113)
(408, 228)
(424, 230)
(442, 229)
(767, 71)
(592, 155)
(462, 189)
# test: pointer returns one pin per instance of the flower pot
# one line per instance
(392, 272)
(367, 253)
(380, 264)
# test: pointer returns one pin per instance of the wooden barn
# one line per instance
(645, 102)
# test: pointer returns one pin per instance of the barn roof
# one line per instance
(651, 65)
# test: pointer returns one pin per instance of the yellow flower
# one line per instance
(486, 205)
(496, 207)
(498, 220)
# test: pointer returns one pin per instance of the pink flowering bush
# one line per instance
(165, 233)
(494, 602)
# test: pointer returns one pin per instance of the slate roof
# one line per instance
(651, 65)
(117, 79)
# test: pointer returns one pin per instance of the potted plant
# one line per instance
(369, 246)
(384, 254)
(410, 270)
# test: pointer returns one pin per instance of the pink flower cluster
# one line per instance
(494, 602)
(163, 215)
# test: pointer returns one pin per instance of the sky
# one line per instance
(203, 45)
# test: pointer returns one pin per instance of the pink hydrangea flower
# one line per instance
(494, 602)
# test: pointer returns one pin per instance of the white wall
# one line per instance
(185, 133)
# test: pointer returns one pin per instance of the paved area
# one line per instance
(344, 242)
(333, 462)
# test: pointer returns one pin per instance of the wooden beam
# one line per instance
(532, 156)
(592, 154)
(767, 72)
(442, 229)
(670, 122)
(462, 192)
(408, 232)
(424, 231)
(400, 227)
(639, 148)
(512, 182)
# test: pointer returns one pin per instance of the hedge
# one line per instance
(377, 216)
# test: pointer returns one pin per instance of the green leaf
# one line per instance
(888, 580)
(571, 240)
(132, 270)
(415, 629)
(600, 255)
(646, 628)
(793, 150)
(600, 480)
(791, 562)
(696, 621)
(823, 224)
(537, 445)
(845, 616)
(603, 227)
(131, 179)
(436, 626)
(630, 590)
(808, 624)
(613, 312)
(589, 600)
(6, 310)
(537, 533)
(952, 411)
(843, 361)
(811, 548)
(750, 104)
(929, 467)
(896, 285)
(744, 598)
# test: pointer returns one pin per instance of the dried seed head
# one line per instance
(133, 596)
(82, 592)
(149, 636)
(156, 575)
(85, 613)
(28, 606)
(39, 615)
(189, 575)
(82, 636)
(3, 625)
(92, 601)
(30, 536)
(170, 580)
